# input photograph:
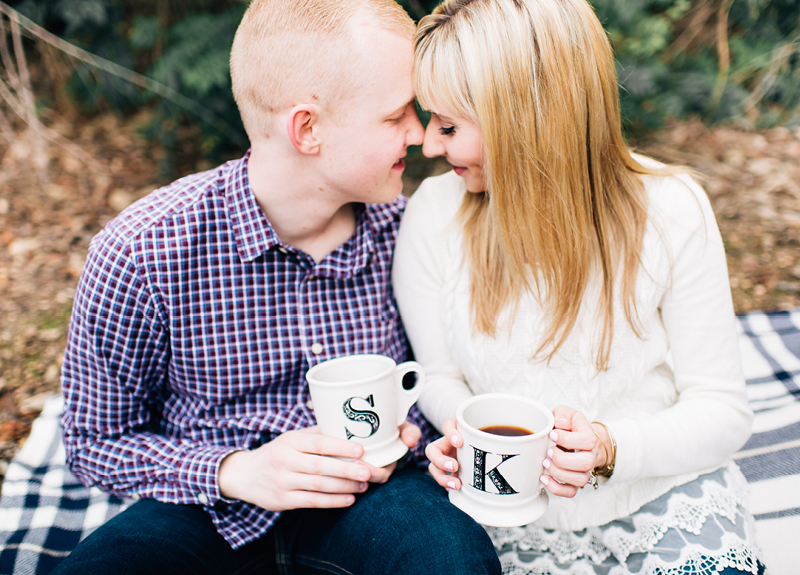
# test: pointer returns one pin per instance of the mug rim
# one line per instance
(505, 438)
(386, 360)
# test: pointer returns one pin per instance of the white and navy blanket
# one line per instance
(45, 512)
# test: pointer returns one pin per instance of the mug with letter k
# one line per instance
(505, 441)
(362, 398)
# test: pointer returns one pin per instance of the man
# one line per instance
(202, 306)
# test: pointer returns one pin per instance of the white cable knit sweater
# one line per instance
(674, 399)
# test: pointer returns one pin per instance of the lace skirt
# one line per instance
(700, 527)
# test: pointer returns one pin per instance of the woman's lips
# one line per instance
(458, 170)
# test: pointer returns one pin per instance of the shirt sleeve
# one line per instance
(711, 418)
(114, 375)
(417, 277)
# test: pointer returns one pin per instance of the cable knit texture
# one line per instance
(673, 397)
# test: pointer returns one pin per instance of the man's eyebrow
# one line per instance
(404, 106)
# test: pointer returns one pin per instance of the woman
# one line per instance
(553, 263)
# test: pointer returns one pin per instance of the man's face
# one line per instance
(364, 146)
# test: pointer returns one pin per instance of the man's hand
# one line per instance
(290, 472)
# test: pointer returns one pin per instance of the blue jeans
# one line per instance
(406, 526)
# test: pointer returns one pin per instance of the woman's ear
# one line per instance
(302, 127)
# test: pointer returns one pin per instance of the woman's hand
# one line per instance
(576, 453)
(442, 455)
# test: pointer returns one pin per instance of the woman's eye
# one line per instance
(447, 130)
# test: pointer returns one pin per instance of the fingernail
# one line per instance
(363, 475)
(546, 464)
(449, 465)
(363, 486)
(554, 435)
(451, 484)
(550, 453)
(453, 440)
(544, 479)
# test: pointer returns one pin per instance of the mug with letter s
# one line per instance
(362, 398)
(506, 438)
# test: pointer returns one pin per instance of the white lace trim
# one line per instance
(684, 514)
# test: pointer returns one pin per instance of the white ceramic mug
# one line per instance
(361, 398)
(500, 474)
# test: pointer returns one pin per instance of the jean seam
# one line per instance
(323, 565)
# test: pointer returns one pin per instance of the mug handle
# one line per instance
(407, 397)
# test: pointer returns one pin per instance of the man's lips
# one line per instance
(399, 164)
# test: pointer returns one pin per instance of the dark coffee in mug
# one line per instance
(506, 430)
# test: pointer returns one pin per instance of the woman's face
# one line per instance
(460, 141)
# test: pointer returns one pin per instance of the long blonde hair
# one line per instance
(564, 199)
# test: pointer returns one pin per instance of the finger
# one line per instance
(450, 431)
(410, 434)
(563, 417)
(557, 488)
(315, 500)
(442, 454)
(444, 479)
(563, 476)
(584, 440)
(580, 461)
(318, 465)
(311, 440)
(324, 484)
(378, 474)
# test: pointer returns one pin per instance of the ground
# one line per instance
(52, 203)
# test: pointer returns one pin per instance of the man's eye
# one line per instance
(447, 130)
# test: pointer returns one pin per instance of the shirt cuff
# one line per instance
(199, 473)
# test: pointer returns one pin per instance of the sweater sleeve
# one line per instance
(417, 276)
(710, 419)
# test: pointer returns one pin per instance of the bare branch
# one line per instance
(5, 126)
(121, 72)
(47, 133)
(8, 63)
(723, 53)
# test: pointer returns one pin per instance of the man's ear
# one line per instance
(302, 127)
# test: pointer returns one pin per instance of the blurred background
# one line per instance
(102, 101)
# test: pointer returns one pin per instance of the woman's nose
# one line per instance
(432, 143)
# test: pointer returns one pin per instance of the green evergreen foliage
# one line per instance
(669, 57)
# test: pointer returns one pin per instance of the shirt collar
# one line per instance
(251, 229)
(254, 234)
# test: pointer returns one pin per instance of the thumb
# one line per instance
(563, 417)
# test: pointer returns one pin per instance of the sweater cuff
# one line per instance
(628, 464)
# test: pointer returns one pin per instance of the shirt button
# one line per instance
(311, 276)
(283, 250)
(316, 348)
(310, 404)
(202, 498)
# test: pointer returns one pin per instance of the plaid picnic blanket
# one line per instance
(45, 512)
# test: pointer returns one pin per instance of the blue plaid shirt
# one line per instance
(192, 330)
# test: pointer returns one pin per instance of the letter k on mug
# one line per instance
(505, 442)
